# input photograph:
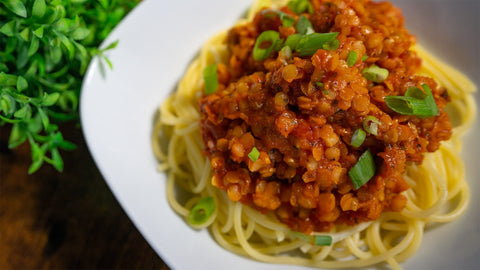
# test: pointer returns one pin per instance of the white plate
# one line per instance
(157, 41)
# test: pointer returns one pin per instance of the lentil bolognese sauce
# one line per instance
(308, 127)
(300, 112)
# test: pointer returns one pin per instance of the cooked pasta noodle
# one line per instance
(441, 196)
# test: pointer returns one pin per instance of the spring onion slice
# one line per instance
(309, 44)
(351, 58)
(414, 102)
(286, 19)
(292, 41)
(322, 240)
(363, 170)
(375, 73)
(210, 79)
(317, 240)
(201, 211)
(254, 154)
(332, 45)
(304, 26)
(370, 125)
(260, 53)
(300, 6)
(364, 58)
(358, 137)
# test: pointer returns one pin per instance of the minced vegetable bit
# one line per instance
(297, 109)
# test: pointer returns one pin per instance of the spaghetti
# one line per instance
(438, 191)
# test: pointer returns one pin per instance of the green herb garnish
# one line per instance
(254, 154)
(210, 78)
(265, 44)
(45, 49)
(363, 170)
(375, 73)
(351, 58)
(201, 211)
(414, 102)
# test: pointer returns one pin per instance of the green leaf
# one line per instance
(22, 84)
(109, 63)
(16, 6)
(22, 57)
(8, 29)
(50, 99)
(68, 45)
(24, 112)
(80, 33)
(39, 32)
(7, 104)
(54, 56)
(64, 25)
(11, 44)
(39, 8)
(104, 3)
(3, 67)
(57, 160)
(66, 145)
(68, 101)
(112, 45)
(7, 79)
(35, 166)
(43, 117)
(34, 45)
(35, 124)
(8, 120)
(17, 136)
(25, 34)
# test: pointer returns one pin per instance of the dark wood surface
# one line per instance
(68, 220)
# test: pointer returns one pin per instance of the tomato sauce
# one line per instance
(300, 112)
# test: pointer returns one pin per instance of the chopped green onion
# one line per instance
(309, 44)
(370, 125)
(292, 41)
(364, 58)
(299, 6)
(351, 58)
(322, 87)
(304, 26)
(210, 79)
(363, 170)
(261, 53)
(430, 101)
(317, 240)
(202, 211)
(358, 137)
(285, 53)
(332, 45)
(322, 240)
(254, 154)
(375, 73)
(415, 102)
(286, 19)
(415, 92)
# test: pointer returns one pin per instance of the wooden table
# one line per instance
(64, 220)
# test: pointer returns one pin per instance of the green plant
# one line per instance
(45, 48)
